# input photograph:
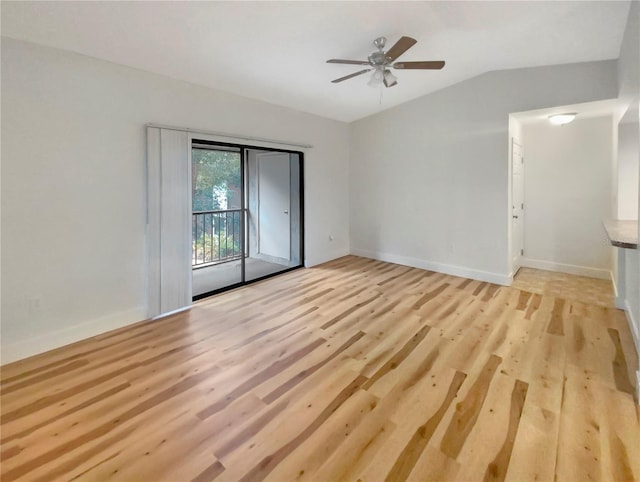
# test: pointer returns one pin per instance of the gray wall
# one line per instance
(568, 172)
(628, 167)
(629, 93)
(429, 180)
(74, 186)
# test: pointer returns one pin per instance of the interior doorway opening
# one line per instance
(564, 189)
(247, 214)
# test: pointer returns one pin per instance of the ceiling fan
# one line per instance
(380, 62)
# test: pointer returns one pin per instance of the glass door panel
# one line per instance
(217, 218)
(273, 212)
(247, 218)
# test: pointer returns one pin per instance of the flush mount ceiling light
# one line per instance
(562, 119)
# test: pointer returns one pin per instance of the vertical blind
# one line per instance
(169, 221)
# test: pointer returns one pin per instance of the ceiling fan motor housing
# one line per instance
(378, 59)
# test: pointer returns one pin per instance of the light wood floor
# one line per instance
(353, 370)
(575, 288)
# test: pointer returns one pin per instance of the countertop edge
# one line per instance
(622, 234)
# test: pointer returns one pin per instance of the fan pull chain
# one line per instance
(381, 91)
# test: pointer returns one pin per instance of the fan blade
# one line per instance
(400, 47)
(346, 77)
(350, 62)
(431, 65)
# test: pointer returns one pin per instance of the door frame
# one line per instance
(204, 140)
(517, 264)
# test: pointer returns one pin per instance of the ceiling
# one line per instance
(276, 51)
(587, 110)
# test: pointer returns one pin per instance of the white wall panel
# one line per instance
(74, 187)
(429, 179)
(629, 94)
(153, 220)
(169, 218)
(568, 194)
(175, 247)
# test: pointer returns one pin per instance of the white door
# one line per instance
(274, 232)
(517, 207)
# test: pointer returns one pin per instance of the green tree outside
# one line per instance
(216, 182)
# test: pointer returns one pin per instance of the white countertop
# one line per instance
(622, 234)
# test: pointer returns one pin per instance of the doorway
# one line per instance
(246, 215)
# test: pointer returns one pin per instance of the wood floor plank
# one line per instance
(497, 468)
(305, 404)
(308, 456)
(579, 440)
(361, 446)
(620, 369)
(398, 357)
(620, 434)
(434, 466)
(104, 429)
(405, 463)
(257, 379)
(467, 410)
(307, 372)
(356, 369)
(377, 442)
(268, 463)
(99, 413)
(534, 450)
(210, 473)
(488, 434)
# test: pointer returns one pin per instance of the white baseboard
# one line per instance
(612, 278)
(169, 313)
(48, 341)
(461, 271)
(566, 268)
(633, 325)
(339, 252)
(618, 300)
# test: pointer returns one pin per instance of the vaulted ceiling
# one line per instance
(276, 51)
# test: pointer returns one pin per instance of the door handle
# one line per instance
(286, 211)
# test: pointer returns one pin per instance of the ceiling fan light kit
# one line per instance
(380, 62)
(389, 79)
(376, 78)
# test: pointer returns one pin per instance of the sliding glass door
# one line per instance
(246, 215)
(217, 220)
(273, 210)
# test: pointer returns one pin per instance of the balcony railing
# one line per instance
(216, 236)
